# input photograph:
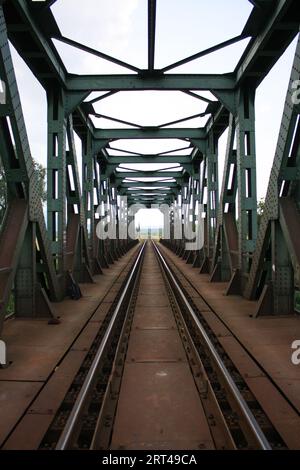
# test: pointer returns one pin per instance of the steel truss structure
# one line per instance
(40, 264)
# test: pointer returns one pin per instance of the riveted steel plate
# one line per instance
(153, 318)
(155, 345)
(15, 397)
(159, 408)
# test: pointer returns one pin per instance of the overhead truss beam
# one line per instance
(150, 81)
(131, 159)
(151, 33)
(150, 133)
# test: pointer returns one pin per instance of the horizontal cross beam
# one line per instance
(150, 133)
(146, 203)
(143, 184)
(148, 174)
(133, 159)
(150, 81)
(157, 193)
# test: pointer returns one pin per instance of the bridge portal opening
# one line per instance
(149, 223)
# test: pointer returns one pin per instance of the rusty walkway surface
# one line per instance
(260, 347)
(36, 349)
(159, 405)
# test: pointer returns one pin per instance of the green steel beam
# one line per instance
(127, 152)
(149, 198)
(135, 182)
(277, 19)
(264, 51)
(148, 174)
(88, 186)
(167, 152)
(148, 185)
(42, 4)
(212, 191)
(56, 175)
(246, 179)
(168, 201)
(144, 192)
(27, 266)
(102, 97)
(148, 81)
(42, 57)
(147, 190)
(90, 50)
(75, 262)
(146, 202)
(198, 97)
(272, 234)
(151, 33)
(133, 124)
(222, 257)
(50, 3)
(150, 133)
(130, 159)
(188, 118)
(205, 52)
(120, 121)
(39, 4)
(156, 192)
(31, 27)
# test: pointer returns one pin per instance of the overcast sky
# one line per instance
(119, 28)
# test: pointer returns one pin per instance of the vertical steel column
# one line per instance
(88, 184)
(202, 187)
(246, 177)
(224, 257)
(123, 229)
(26, 275)
(170, 240)
(197, 203)
(172, 233)
(56, 175)
(199, 211)
(130, 222)
(103, 253)
(115, 219)
(23, 237)
(77, 240)
(97, 248)
(106, 197)
(186, 215)
(275, 268)
(282, 272)
(212, 192)
(191, 214)
(181, 208)
(88, 190)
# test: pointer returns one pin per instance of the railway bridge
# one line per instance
(189, 340)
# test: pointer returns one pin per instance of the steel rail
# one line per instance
(66, 437)
(244, 409)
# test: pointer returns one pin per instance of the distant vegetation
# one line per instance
(152, 232)
(41, 172)
(260, 209)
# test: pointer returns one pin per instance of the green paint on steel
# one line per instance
(101, 180)
(297, 301)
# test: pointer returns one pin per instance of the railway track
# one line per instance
(156, 377)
